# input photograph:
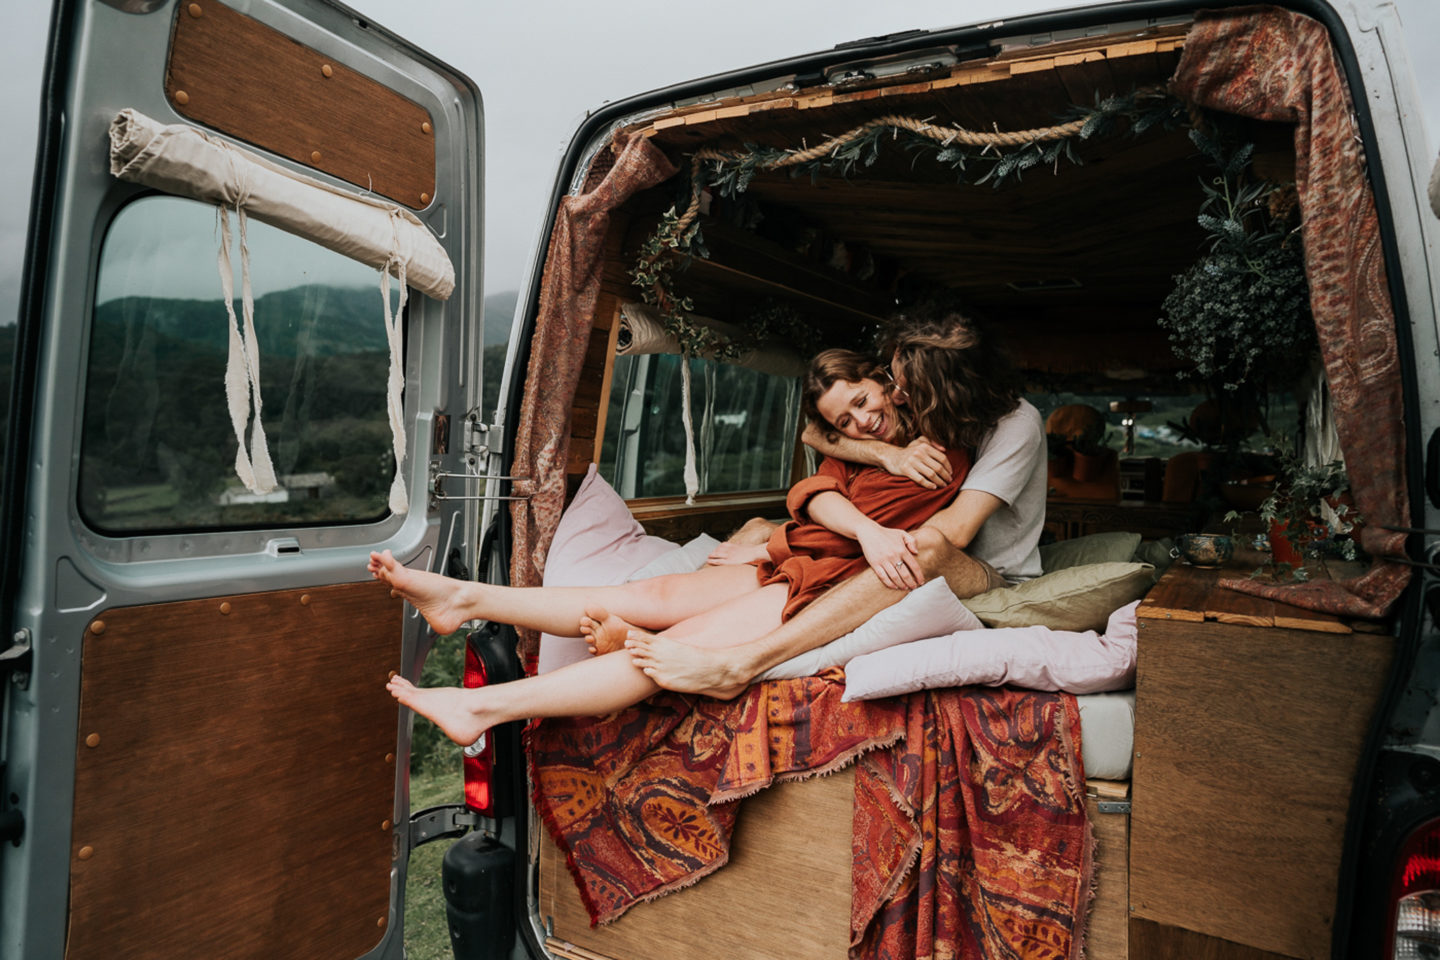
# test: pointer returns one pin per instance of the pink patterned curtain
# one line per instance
(569, 288)
(1270, 64)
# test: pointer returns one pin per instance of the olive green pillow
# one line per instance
(1076, 598)
(1115, 547)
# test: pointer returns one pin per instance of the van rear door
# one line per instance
(200, 758)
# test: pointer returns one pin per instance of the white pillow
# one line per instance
(597, 543)
(927, 611)
(1036, 658)
(686, 559)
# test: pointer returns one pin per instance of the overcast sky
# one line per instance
(541, 65)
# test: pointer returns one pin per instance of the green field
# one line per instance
(426, 935)
(435, 778)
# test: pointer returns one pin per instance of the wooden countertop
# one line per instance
(1194, 594)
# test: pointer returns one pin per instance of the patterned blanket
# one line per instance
(970, 836)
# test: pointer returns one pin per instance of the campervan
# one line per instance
(199, 756)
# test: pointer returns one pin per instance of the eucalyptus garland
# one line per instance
(976, 157)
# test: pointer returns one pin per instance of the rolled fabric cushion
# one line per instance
(1036, 658)
(927, 611)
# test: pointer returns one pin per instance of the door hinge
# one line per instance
(447, 820)
(17, 658)
(477, 451)
(1113, 806)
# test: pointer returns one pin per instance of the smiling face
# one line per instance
(859, 409)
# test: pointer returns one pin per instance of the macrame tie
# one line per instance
(395, 384)
(242, 367)
(692, 475)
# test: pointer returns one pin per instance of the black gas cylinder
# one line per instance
(479, 880)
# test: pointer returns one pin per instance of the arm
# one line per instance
(920, 460)
(965, 515)
(891, 553)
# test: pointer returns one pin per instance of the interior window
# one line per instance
(1173, 423)
(745, 423)
(158, 448)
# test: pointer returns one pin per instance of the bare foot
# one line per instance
(440, 600)
(603, 631)
(454, 710)
(684, 668)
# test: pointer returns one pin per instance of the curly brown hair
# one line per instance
(837, 365)
(959, 383)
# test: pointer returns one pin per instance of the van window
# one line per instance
(745, 426)
(158, 448)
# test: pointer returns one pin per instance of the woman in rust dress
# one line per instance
(845, 517)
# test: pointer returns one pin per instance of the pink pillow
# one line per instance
(597, 543)
(1036, 658)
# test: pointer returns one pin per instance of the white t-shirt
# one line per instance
(1010, 465)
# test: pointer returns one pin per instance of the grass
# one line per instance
(434, 779)
(427, 937)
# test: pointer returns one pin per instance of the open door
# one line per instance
(200, 758)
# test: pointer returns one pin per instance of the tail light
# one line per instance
(479, 758)
(1415, 896)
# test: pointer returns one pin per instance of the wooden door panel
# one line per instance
(233, 789)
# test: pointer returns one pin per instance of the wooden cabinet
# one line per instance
(1250, 717)
(1070, 518)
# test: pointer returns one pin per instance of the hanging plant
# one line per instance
(1241, 313)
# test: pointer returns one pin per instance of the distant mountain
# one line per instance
(334, 320)
(499, 312)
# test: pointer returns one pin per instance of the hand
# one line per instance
(729, 552)
(891, 554)
(921, 460)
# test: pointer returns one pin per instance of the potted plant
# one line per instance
(1309, 512)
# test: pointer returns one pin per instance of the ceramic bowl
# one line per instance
(1205, 549)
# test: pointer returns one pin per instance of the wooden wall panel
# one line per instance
(235, 74)
(784, 893)
(592, 394)
(1246, 745)
(1107, 933)
(1153, 941)
(236, 751)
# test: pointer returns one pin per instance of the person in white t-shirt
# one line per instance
(960, 391)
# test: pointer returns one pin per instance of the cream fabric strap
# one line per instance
(242, 369)
(183, 160)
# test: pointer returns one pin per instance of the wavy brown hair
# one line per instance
(830, 367)
(959, 383)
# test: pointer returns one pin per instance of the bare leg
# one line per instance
(594, 687)
(654, 604)
(725, 673)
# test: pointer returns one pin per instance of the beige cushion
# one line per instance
(1076, 598)
(1115, 547)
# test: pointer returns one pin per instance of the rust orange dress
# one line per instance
(812, 558)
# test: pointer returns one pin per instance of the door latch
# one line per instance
(447, 820)
(17, 658)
